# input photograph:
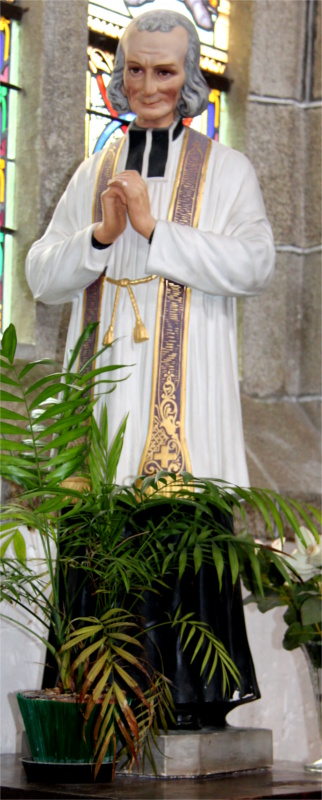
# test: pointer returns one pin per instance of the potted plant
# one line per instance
(67, 472)
(57, 406)
(300, 590)
(52, 448)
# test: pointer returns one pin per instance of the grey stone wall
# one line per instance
(281, 330)
(50, 145)
(283, 141)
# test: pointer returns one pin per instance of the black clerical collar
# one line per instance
(159, 148)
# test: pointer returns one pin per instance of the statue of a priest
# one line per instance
(156, 238)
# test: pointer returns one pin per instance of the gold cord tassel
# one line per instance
(109, 336)
(140, 333)
(78, 484)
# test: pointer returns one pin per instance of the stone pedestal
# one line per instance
(211, 751)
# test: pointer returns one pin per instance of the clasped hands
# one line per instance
(126, 196)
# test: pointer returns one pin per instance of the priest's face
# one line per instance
(154, 74)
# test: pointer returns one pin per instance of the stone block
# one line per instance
(279, 30)
(281, 331)
(313, 408)
(310, 356)
(209, 752)
(63, 86)
(312, 176)
(271, 332)
(22, 305)
(283, 448)
(51, 109)
(273, 148)
(283, 144)
(50, 139)
(317, 65)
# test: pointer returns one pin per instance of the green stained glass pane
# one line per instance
(7, 280)
(4, 108)
(9, 44)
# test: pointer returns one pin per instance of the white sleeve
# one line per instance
(232, 251)
(63, 262)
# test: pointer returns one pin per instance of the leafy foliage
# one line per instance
(56, 410)
(53, 448)
(282, 586)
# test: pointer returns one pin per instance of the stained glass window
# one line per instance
(102, 121)
(9, 43)
(107, 20)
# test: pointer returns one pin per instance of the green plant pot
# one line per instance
(55, 729)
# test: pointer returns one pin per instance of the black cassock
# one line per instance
(198, 702)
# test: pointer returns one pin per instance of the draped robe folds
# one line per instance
(230, 254)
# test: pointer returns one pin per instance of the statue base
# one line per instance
(210, 751)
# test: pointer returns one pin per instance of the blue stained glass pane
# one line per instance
(1, 49)
(211, 120)
(106, 134)
(110, 129)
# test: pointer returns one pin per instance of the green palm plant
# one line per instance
(166, 547)
(49, 436)
(53, 411)
(54, 450)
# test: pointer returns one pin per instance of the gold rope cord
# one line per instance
(140, 333)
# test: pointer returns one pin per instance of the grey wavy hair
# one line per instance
(194, 93)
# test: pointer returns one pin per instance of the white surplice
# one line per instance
(230, 254)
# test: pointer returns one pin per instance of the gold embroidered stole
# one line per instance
(166, 447)
(93, 294)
